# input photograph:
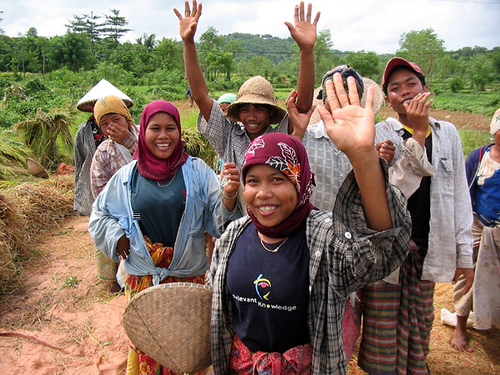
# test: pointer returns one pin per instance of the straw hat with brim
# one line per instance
(378, 99)
(102, 89)
(257, 90)
(171, 324)
(36, 169)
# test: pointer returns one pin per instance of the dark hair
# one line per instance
(345, 71)
(398, 68)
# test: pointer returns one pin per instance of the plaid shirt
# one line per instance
(344, 256)
(229, 139)
(450, 235)
(108, 159)
(329, 164)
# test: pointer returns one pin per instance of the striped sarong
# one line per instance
(397, 321)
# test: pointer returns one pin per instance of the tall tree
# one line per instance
(422, 47)
(71, 50)
(214, 58)
(366, 63)
(168, 55)
(148, 41)
(323, 55)
(87, 24)
(114, 25)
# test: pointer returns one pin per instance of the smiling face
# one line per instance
(162, 135)
(269, 194)
(402, 86)
(115, 119)
(255, 118)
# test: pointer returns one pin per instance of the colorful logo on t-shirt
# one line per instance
(262, 287)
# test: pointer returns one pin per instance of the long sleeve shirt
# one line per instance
(112, 217)
(344, 256)
(108, 159)
(450, 236)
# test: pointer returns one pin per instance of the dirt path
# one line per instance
(61, 305)
(71, 326)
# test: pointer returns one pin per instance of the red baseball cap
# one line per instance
(399, 61)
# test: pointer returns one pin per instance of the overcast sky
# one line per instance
(355, 25)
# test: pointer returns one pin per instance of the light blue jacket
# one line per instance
(112, 217)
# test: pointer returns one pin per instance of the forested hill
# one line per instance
(274, 48)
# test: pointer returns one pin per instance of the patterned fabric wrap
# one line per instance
(288, 155)
(150, 166)
(397, 321)
(162, 257)
(294, 361)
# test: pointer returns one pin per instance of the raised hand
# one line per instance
(298, 120)
(304, 32)
(230, 180)
(417, 115)
(188, 23)
(350, 126)
(117, 133)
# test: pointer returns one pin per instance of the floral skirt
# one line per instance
(141, 364)
(294, 361)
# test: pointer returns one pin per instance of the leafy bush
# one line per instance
(456, 84)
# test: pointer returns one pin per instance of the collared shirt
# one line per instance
(108, 159)
(344, 256)
(228, 138)
(450, 237)
(329, 164)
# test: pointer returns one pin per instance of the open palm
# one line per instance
(188, 23)
(304, 32)
(350, 126)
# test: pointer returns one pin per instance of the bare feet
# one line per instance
(459, 340)
(114, 287)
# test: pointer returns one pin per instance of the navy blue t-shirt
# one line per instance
(270, 291)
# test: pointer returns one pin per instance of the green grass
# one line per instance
(482, 102)
(472, 139)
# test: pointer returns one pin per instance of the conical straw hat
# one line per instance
(171, 324)
(36, 169)
(102, 89)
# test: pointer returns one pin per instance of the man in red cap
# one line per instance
(398, 311)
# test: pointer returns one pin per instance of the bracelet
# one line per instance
(230, 198)
(297, 135)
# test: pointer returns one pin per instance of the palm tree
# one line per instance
(41, 132)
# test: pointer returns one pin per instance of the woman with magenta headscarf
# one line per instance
(281, 275)
(148, 208)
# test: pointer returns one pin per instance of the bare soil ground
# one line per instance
(473, 121)
(63, 322)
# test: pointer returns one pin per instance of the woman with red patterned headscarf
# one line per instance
(281, 275)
